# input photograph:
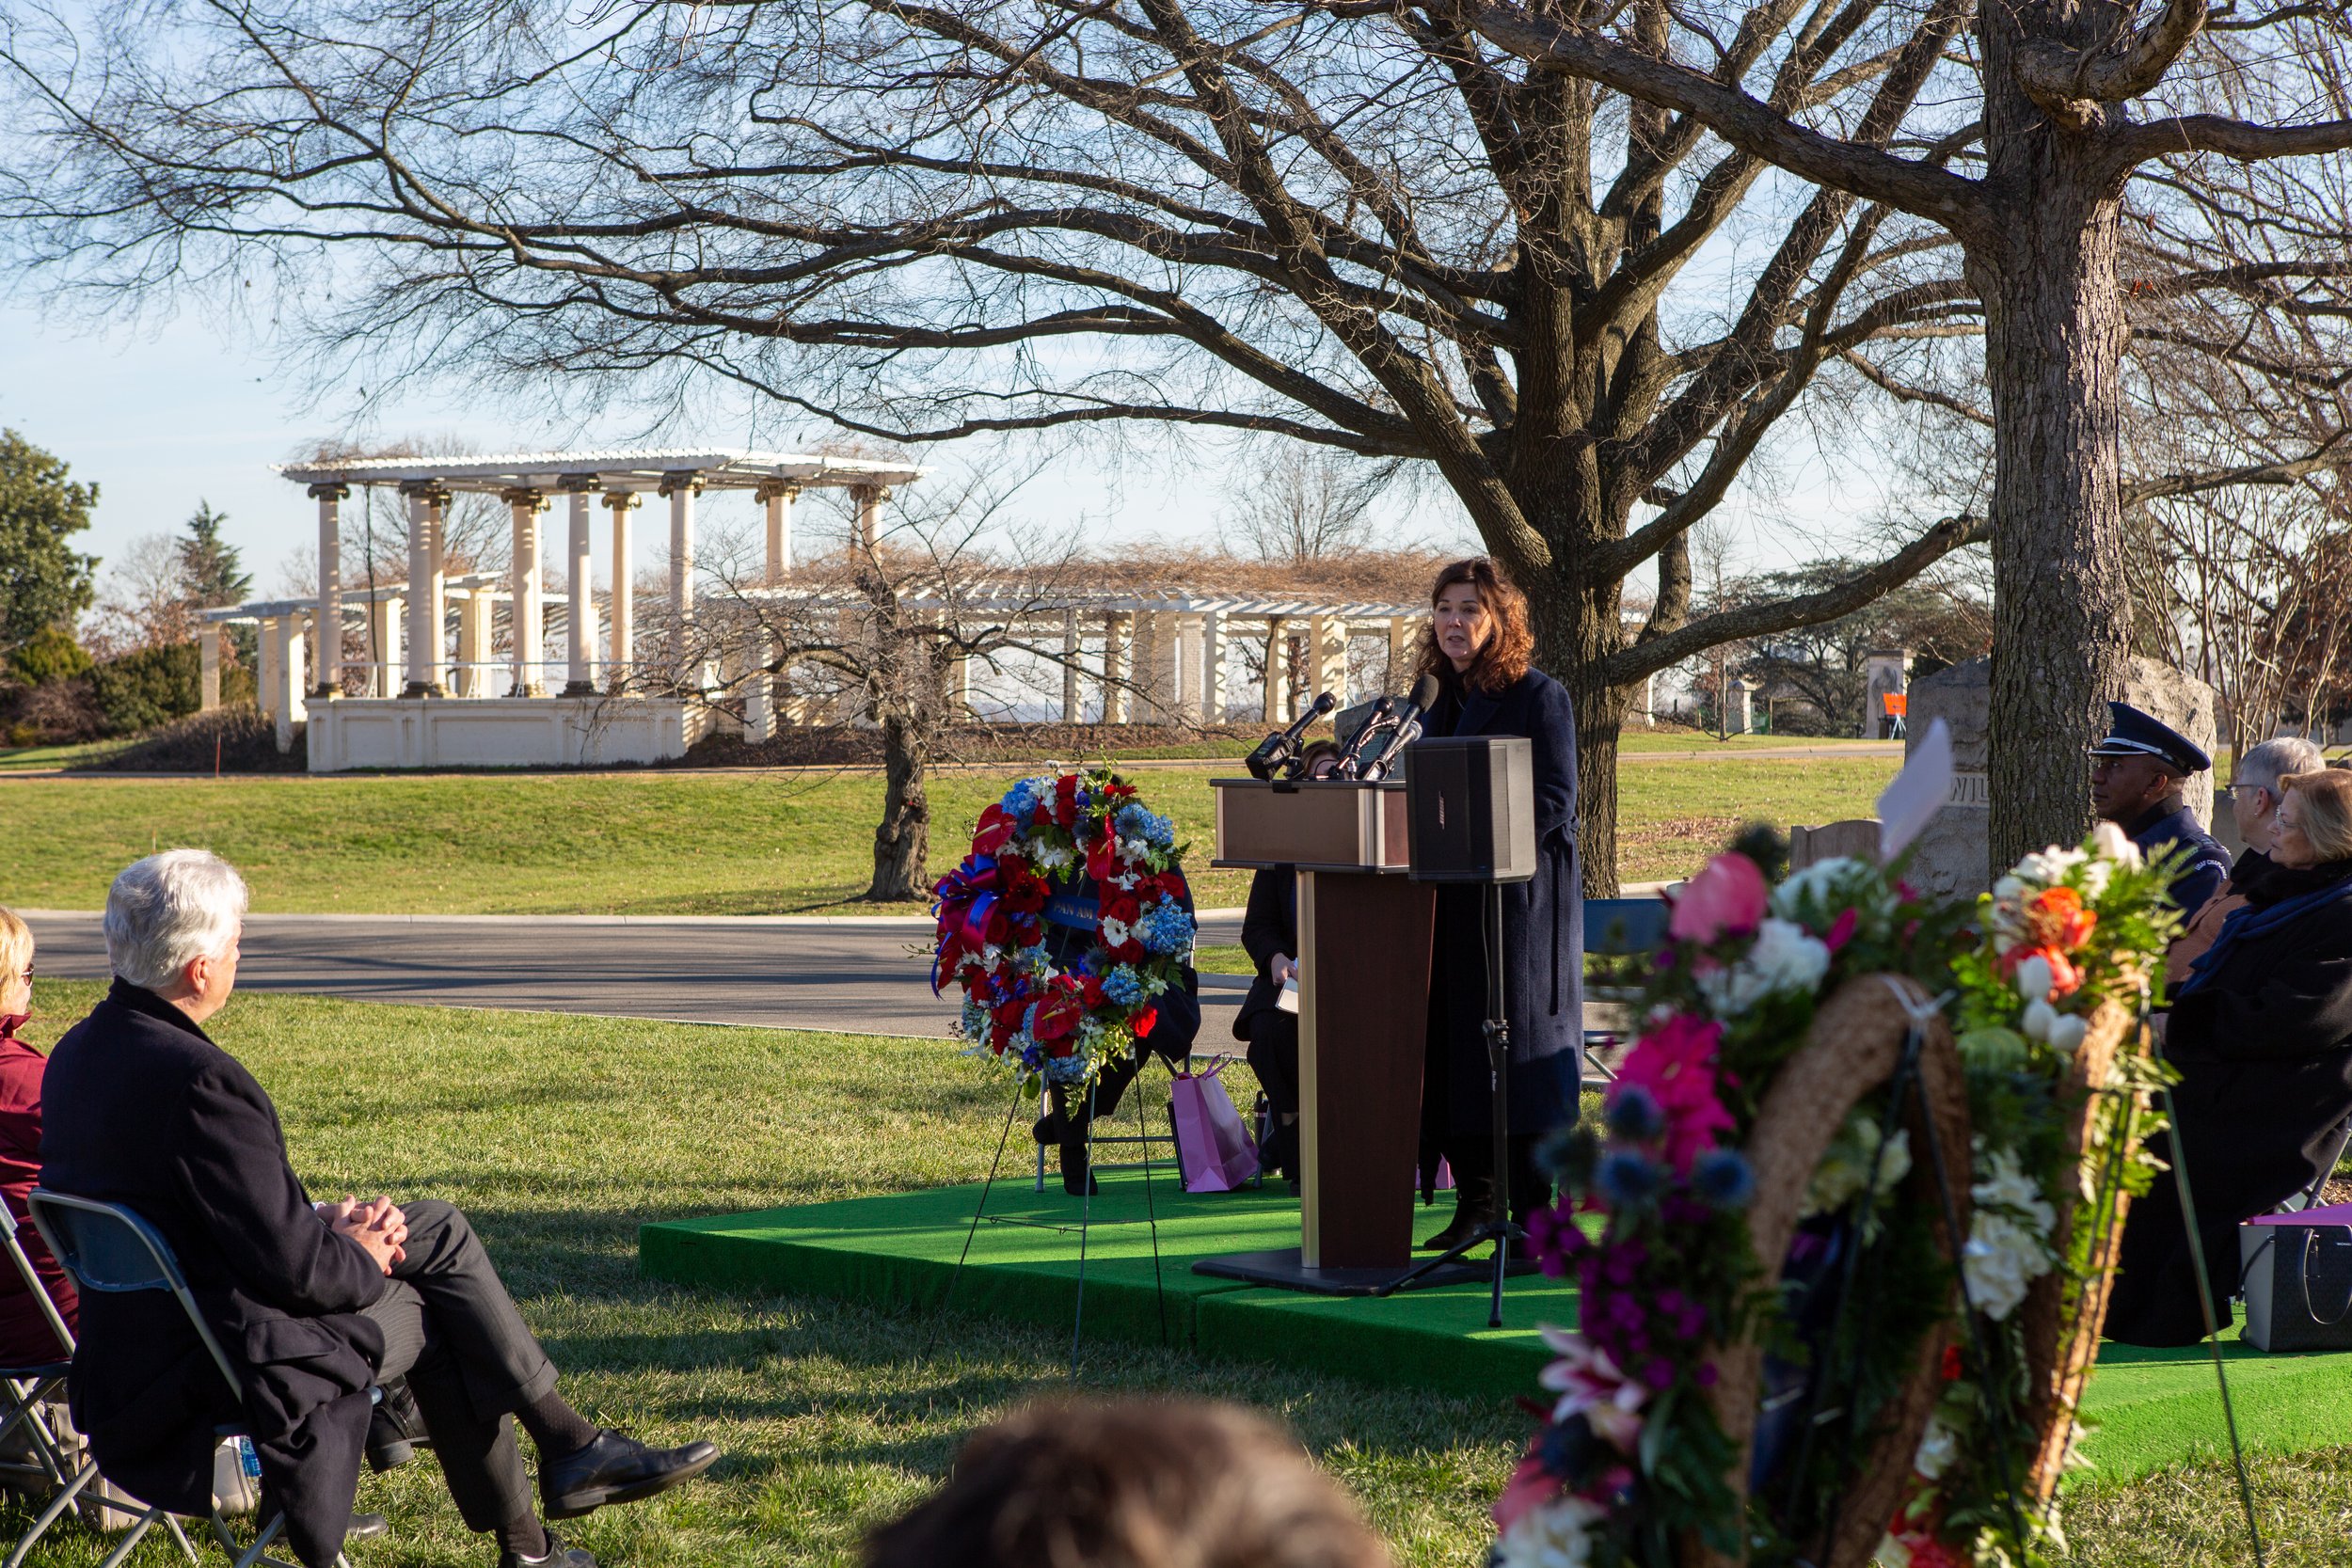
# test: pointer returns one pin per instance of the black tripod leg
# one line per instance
(1497, 1088)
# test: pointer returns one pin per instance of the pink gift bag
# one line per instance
(1214, 1152)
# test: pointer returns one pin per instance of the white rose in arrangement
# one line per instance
(1785, 958)
(2006, 1185)
(2113, 843)
(1890, 1553)
(2093, 878)
(2034, 980)
(2038, 1015)
(1557, 1535)
(2048, 867)
(1819, 883)
(2068, 1032)
(2001, 1259)
(1938, 1446)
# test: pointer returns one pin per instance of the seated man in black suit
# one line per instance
(316, 1302)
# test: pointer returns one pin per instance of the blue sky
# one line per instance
(163, 417)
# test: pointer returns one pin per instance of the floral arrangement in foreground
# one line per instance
(1043, 1021)
(1719, 1402)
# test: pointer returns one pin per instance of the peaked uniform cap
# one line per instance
(2134, 734)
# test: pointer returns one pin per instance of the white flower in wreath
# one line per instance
(1847, 1165)
(1051, 857)
(1115, 932)
(2048, 867)
(1785, 958)
(2007, 1186)
(1819, 885)
(1938, 1446)
(2111, 843)
(1557, 1535)
(2001, 1259)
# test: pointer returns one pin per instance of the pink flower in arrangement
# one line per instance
(1589, 1385)
(1531, 1486)
(1841, 929)
(1675, 1063)
(1725, 900)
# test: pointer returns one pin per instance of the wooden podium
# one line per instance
(1363, 1012)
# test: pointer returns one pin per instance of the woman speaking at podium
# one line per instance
(1478, 646)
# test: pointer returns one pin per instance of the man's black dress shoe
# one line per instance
(395, 1428)
(616, 1470)
(559, 1556)
(364, 1526)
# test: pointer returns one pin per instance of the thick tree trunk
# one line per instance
(1573, 644)
(902, 839)
(2054, 341)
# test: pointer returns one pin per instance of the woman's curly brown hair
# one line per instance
(1509, 648)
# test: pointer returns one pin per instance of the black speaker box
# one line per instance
(1470, 803)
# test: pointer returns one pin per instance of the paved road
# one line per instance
(855, 977)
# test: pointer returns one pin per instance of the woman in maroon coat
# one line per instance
(26, 1338)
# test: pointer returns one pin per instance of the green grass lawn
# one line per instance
(686, 843)
(561, 1135)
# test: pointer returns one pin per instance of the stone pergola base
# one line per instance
(501, 731)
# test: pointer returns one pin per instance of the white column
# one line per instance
(473, 643)
(959, 688)
(868, 498)
(265, 681)
(1114, 669)
(1160, 668)
(1401, 629)
(1326, 657)
(1212, 687)
(436, 591)
(424, 632)
(623, 653)
(1741, 709)
(1069, 711)
(208, 667)
(1646, 712)
(386, 616)
(778, 497)
(579, 635)
(681, 489)
(289, 673)
(759, 696)
(526, 618)
(1278, 672)
(330, 612)
(1143, 666)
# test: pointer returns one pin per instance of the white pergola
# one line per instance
(527, 482)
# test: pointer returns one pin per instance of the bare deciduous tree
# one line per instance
(2060, 110)
(1358, 226)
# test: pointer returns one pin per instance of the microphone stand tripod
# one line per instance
(1498, 1228)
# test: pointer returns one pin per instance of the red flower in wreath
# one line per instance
(1056, 1023)
(1091, 988)
(1066, 800)
(1145, 1019)
(1026, 892)
(1102, 859)
(1123, 909)
(1172, 883)
(995, 830)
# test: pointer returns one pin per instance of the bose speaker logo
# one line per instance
(1441, 813)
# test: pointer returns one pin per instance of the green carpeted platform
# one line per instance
(2149, 1407)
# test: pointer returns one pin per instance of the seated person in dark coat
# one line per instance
(26, 1337)
(2136, 776)
(2253, 796)
(2261, 1033)
(1071, 931)
(317, 1302)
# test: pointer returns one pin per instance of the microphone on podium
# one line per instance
(1278, 751)
(1406, 730)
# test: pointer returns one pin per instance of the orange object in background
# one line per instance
(1898, 703)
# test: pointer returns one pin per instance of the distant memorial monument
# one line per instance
(1955, 852)
(1887, 674)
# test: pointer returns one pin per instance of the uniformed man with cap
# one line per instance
(2136, 775)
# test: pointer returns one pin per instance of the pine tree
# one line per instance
(211, 562)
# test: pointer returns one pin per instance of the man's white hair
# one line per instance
(2263, 766)
(168, 910)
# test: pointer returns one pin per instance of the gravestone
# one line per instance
(1886, 672)
(1954, 854)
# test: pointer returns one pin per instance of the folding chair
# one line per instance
(2309, 1197)
(24, 1390)
(109, 1249)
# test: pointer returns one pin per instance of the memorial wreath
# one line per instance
(1843, 1234)
(1044, 1022)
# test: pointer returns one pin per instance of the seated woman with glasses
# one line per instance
(26, 1339)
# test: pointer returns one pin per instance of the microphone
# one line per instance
(1379, 718)
(1423, 698)
(1277, 750)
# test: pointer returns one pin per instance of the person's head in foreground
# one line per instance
(172, 924)
(2314, 826)
(1478, 631)
(1131, 1483)
(2254, 789)
(16, 974)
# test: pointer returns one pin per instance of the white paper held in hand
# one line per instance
(1918, 792)
(1288, 1001)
